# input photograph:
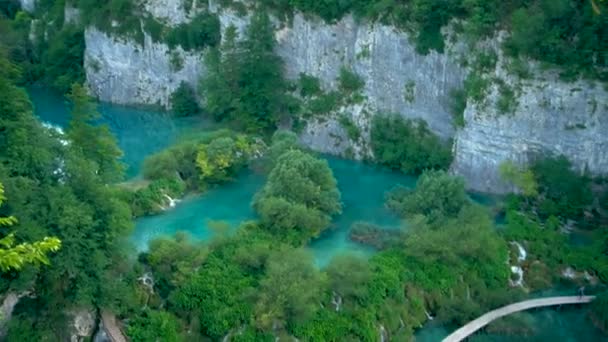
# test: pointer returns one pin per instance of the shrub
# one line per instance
(407, 145)
(507, 102)
(202, 31)
(184, 102)
(349, 81)
(566, 193)
(458, 104)
(437, 195)
(352, 130)
(325, 103)
(309, 85)
(299, 198)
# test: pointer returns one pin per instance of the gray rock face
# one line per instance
(397, 79)
(551, 116)
(124, 72)
(28, 5)
(83, 325)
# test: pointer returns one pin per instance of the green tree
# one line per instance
(566, 193)
(437, 195)
(57, 191)
(290, 291)
(217, 295)
(299, 198)
(184, 102)
(221, 83)
(282, 142)
(522, 178)
(349, 276)
(95, 143)
(479, 248)
(14, 257)
(173, 261)
(245, 83)
(407, 145)
(154, 326)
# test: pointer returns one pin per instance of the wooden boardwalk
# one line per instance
(484, 320)
(111, 327)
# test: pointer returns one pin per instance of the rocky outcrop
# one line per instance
(28, 5)
(6, 309)
(124, 72)
(550, 116)
(83, 325)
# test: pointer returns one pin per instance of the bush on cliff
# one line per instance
(407, 145)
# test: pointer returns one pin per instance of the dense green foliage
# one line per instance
(192, 165)
(202, 31)
(58, 186)
(437, 195)
(15, 257)
(152, 198)
(300, 197)
(202, 159)
(244, 83)
(154, 326)
(561, 201)
(521, 178)
(54, 55)
(184, 102)
(407, 145)
(566, 193)
(260, 284)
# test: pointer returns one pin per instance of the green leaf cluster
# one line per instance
(299, 198)
(407, 145)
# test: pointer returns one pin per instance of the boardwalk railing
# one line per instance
(484, 320)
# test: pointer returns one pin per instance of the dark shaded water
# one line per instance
(142, 132)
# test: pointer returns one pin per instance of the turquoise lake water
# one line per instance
(142, 132)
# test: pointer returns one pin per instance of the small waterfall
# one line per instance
(428, 316)
(383, 335)
(520, 276)
(148, 281)
(56, 129)
(336, 300)
(523, 254)
(569, 273)
(172, 202)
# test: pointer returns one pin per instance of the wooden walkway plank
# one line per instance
(109, 323)
(471, 327)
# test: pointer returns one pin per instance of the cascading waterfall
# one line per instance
(172, 202)
(522, 254)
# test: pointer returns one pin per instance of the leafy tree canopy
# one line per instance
(299, 198)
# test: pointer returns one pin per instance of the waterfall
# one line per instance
(172, 202)
(336, 300)
(520, 276)
(428, 316)
(383, 336)
(57, 129)
(521, 251)
(522, 255)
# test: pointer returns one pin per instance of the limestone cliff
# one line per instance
(550, 115)
(124, 72)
